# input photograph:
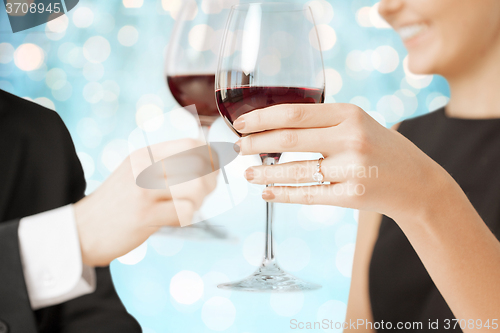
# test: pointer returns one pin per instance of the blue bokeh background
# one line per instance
(101, 63)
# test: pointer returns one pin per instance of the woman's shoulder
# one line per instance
(429, 117)
(423, 121)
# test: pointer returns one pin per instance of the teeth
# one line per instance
(411, 31)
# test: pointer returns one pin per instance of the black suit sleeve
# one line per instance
(40, 171)
(100, 312)
(15, 308)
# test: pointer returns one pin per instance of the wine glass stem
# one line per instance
(269, 254)
(205, 129)
(204, 132)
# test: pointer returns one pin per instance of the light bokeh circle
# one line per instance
(88, 164)
(167, 247)
(295, 254)
(6, 53)
(344, 259)
(253, 248)
(45, 102)
(327, 37)
(135, 256)
(114, 153)
(201, 37)
(96, 49)
(322, 11)
(28, 57)
(186, 287)
(391, 107)
(83, 17)
(334, 311)
(218, 313)
(128, 35)
(287, 304)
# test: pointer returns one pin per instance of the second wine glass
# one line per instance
(270, 55)
(192, 57)
(190, 65)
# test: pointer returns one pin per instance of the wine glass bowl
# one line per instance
(191, 60)
(196, 89)
(190, 65)
(270, 54)
(235, 102)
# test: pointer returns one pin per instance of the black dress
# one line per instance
(400, 288)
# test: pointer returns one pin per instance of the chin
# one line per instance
(423, 63)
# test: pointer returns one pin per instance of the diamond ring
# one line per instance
(318, 176)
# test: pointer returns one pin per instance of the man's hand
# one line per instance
(119, 215)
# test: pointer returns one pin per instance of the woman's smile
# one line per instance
(411, 33)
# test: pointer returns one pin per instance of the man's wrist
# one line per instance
(51, 258)
(80, 212)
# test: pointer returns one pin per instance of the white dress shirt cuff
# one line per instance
(52, 260)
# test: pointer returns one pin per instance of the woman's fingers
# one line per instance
(294, 116)
(338, 194)
(278, 141)
(296, 173)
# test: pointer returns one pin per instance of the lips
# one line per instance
(410, 31)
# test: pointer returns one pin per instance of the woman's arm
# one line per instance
(456, 247)
(358, 306)
(460, 253)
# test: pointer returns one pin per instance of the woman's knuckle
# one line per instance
(295, 114)
(247, 144)
(298, 172)
(288, 138)
(357, 112)
(358, 142)
(263, 174)
(286, 195)
(307, 197)
(258, 119)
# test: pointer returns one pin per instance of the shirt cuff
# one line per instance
(52, 259)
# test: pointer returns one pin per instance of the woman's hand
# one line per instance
(369, 167)
(119, 215)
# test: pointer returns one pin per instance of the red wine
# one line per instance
(196, 89)
(234, 102)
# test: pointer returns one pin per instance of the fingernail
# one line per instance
(239, 124)
(267, 195)
(237, 147)
(249, 174)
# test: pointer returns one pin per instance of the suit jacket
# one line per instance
(40, 171)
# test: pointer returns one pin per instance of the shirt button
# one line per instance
(3, 327)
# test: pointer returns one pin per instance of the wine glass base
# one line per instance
(270, 277)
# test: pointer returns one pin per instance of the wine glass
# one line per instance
(190, 66)
(192, 57)
(270, 55)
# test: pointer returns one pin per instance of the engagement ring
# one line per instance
(318, 176)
